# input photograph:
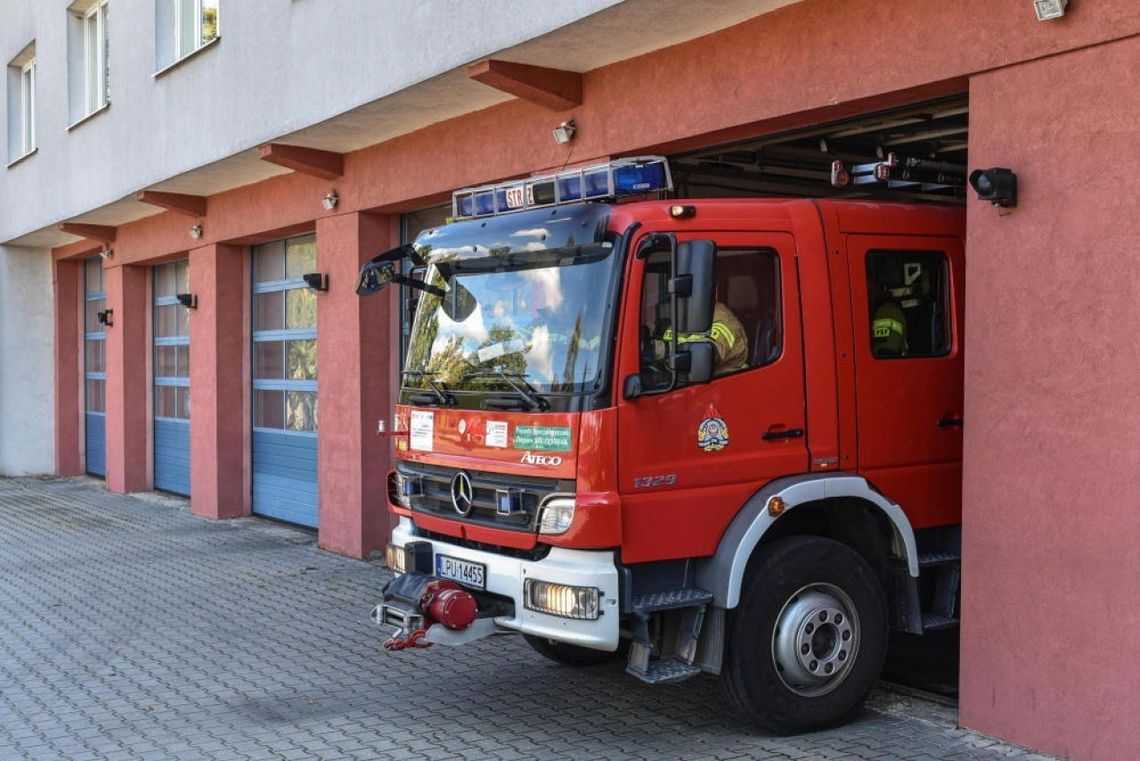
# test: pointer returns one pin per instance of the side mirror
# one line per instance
(702, 361)
(695, 284)
(375, 277)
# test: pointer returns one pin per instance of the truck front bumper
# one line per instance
(506, 577)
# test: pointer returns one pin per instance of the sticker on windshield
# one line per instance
(494, 351)
(543, 437)
(497, 433)
(421, 432)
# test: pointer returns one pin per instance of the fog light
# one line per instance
(556, 516)
(561, 599)
(395, 558)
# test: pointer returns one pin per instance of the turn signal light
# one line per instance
(776, 506)
(556, 516)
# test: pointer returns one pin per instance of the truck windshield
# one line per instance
(535, 316)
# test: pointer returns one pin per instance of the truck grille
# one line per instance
(436, 497)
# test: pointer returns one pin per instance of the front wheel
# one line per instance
(807, 641)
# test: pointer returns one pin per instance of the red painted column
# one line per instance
(353, 353)
(68, 368)
(219, 372)
(127, 348)
(1051, 538)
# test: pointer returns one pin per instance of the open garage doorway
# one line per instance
(913, 154)
(916, 153)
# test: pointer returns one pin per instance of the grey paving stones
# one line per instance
(130, 629)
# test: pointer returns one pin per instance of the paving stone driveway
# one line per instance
(131, 629)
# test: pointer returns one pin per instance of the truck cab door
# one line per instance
(907, 314)
(690, 457)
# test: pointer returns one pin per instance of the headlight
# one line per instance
(561, 599)
(556, 516)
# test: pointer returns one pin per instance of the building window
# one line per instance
(182, 27)
(96, 73)
(171, 342)
(284, 336)
(88, 59)
(909, 297)
(22, 104)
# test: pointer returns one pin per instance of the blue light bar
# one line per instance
(620, 177)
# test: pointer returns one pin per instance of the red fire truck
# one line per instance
(586, 455)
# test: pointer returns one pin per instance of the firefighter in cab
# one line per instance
(726, 334)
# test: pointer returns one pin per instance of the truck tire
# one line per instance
(808, 640)
(569, 655)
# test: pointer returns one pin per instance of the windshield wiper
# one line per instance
(437, 396)
(518, 382)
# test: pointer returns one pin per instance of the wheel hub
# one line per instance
(815, 639)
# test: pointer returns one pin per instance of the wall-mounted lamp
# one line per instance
(106, 317)
(331, 200)
(318, 281)
(106, 253)
(1049, 9)
(188, 300)
(996, 185)
(564, 132)
(196, 232)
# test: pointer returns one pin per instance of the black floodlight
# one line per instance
(318, 281)
(996, 185)
(188, 300)
(106, 317)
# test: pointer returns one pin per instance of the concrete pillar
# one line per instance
(68, 299)
(128, 361)
(26, 363)
(353, 354)
(1052, 449)
(219, 383)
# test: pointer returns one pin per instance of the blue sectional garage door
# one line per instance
(285, 382)
(94, 368)
(171, 379)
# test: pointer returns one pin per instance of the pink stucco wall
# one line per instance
(1051, 628)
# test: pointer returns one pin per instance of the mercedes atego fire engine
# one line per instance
(576, 461)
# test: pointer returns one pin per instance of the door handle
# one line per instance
(950, 422)
(791, 433)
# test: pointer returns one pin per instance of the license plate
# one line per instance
(463, 571)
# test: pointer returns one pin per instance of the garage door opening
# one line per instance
(916, 154)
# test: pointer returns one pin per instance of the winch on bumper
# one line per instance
(569, 596)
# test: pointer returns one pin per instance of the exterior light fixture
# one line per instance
(188, 300)
(196, 232)
(996, 185)
(564, 132)
(331, 200)
(106, 253)
(106, 317)
(1047, 10)
(318, 281)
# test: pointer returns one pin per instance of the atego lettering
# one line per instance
(540, 459)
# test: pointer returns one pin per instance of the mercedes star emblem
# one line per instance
(461, 493)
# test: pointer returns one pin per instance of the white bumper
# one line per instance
(505, 577)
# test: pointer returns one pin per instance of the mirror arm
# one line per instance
(419, 285)
(406, 251)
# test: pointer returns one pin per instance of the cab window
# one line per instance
(909, 297)
(747, 326)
